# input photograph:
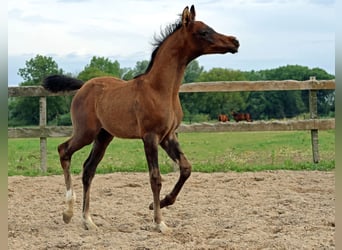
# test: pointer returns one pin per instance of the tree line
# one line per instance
(197, 107)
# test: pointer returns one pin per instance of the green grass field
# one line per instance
(208, 152)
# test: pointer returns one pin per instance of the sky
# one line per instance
(272, 33)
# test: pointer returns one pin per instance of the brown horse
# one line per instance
(146, 107)
(223, 118)
(242, 117)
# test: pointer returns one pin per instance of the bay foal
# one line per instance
(147, 108)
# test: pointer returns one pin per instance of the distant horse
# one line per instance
(223, 118)
(242, 117)
(146, 107)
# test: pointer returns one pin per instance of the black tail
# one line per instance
(56, 83)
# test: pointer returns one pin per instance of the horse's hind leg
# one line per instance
(172, 148)
(99, 147)
(66, 151)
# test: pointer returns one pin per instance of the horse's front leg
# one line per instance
(172, 148)
(151, 152)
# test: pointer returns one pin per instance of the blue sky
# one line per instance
(272, 33)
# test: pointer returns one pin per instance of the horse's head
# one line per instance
(203, 39)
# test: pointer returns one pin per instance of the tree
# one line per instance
(37, 68)
(100, 66)
(325, 98)
(192, 72)
(281, 104)
(25, 110)
(213, 104)
(140, 68)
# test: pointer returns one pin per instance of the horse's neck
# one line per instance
(168, 69)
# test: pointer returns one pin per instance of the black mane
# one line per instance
(158, 40)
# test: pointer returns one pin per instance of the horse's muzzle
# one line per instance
(236, 44)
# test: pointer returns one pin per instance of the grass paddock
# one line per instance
(208, 152)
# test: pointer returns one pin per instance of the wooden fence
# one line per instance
(314, 124)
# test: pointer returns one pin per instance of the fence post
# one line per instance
(313, 115)
(42, 125)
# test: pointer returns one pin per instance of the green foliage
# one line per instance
(38, 68)
(197, 107)
(220, 74)
(288, 104)
(100, 66)
(24, 111)
(61, 120)
(213, 104)
(140, 68)
(193, 72)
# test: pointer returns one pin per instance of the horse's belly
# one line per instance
(119, 121)
(121, 132)
(120, 124)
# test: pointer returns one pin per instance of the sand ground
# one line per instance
(262, 210)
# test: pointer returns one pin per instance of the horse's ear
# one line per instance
(192, 13)
(186, 16)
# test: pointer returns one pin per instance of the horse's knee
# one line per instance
(155, 175)
(155, 179)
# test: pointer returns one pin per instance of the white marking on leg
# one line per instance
(88, 223)
(70, 196)
(161, 227)
(70, 199)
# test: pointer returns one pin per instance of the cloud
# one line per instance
(323, 2)
(271, 32)
(19, 15)
(72, 1)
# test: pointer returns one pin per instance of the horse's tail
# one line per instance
(56, 83)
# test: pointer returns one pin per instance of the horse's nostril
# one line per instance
(235, 41)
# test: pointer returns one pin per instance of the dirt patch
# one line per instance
(263, 210)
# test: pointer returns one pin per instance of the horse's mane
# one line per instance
(158, 40)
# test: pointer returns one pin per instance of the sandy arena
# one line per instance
(262, 210)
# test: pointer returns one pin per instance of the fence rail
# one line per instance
(66, 131)
(314, 124)
(219, 86)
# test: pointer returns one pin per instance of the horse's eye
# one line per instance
(203, 33)
(206, 32)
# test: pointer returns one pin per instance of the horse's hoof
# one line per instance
(89, 225)
(162, 228)
(151, 206)
(67, 215)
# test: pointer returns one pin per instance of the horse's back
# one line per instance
(106, 81)
(95, 88)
